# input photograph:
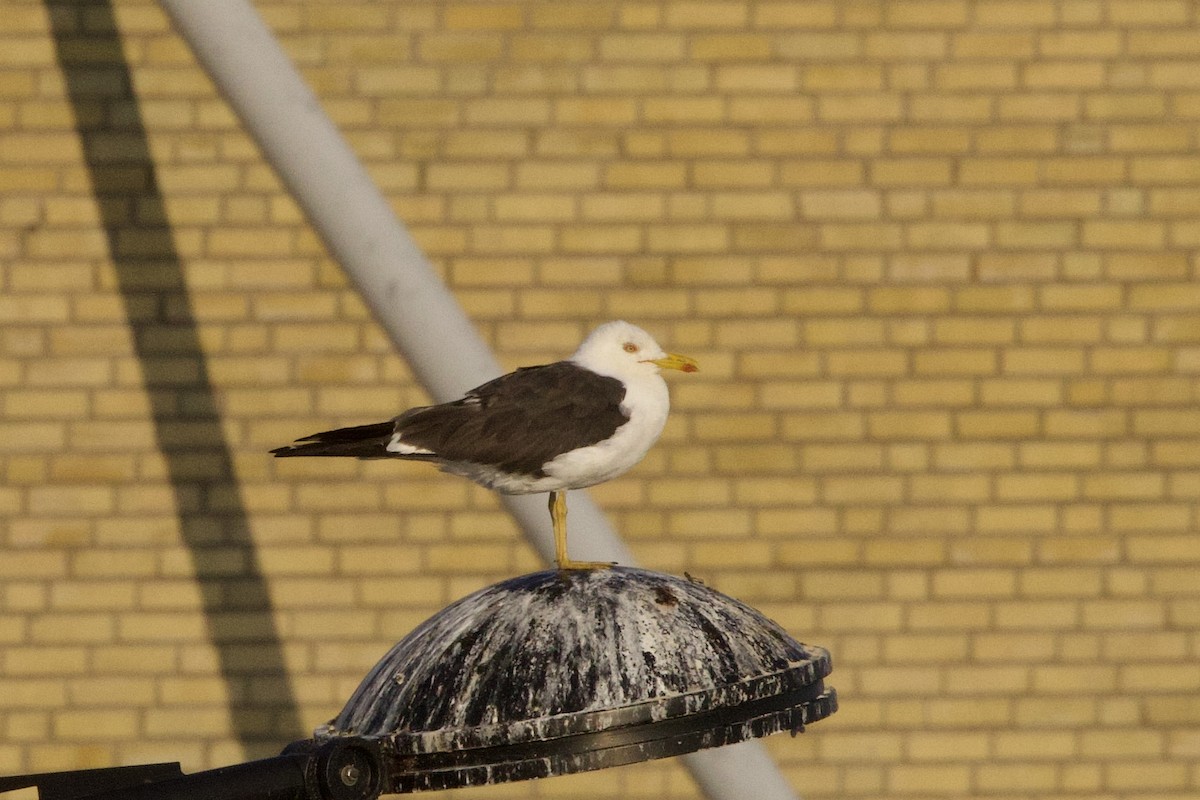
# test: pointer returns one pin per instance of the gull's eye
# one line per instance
(630, 347)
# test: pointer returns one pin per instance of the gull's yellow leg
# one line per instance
(558, 516)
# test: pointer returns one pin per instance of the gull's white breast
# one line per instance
(646, 402)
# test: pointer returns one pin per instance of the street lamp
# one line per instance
(545, 674)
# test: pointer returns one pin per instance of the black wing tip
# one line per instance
(352, 450)
(356, 440)
(301, 447)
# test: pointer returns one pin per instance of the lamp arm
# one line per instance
(347, 768)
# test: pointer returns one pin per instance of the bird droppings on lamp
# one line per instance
(560, 672)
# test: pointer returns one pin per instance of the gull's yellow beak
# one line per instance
(675, 361)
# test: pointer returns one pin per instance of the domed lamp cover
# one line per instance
(559, 672)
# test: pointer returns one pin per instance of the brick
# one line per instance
(1059, 202)
(556, 303)
(595, 111)
(841, 204)
(45, 404)
(1042, 106)
(67, 500)
(572, 16)
(861, 616)
(773, 237)
(734, 174)
(706, 15)
(941, 780)
(1027, 777)
(687, 238)
(757, 78)
(1025, 518)
(1005, 392)
(861, 108)
(1166, 422)
(864, 236)
(821, 172)
(909, 425)
(644, 175)
(1154, 13)
(732, 523)
(955, 362)
(1123, 614)
(483, 17)
(1125, 360)
(1043, 360)
(862, 490)
(865, 363)
(752, 206)
(1124, 235)
(949, 488)
(843, 78)
(738, 302)
(823, 426)
(625, 78)
(73, 628)
(1064, 74)
(949, 236)
(907, 553)
(1146, 517)
(1164, 296)
(1037, 615)
(951, 108)
(1120, 106)
(604, 239)
(997, 172)
(664, 47)
(1161, 549)
(934, 392)
(928, 267)
(974, 76)
(908, 300)
(836, 332)
(730, 46)
(1158, 677)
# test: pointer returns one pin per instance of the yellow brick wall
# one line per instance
(938, 259)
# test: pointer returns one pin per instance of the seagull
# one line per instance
(548, 428)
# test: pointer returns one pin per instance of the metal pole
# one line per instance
(397, 282)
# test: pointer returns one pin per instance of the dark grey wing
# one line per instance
(521, 420)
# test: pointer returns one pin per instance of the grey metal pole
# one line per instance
(400, 286)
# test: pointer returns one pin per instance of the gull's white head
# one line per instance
(626, 351)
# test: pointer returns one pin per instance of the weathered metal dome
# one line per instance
(559, 672)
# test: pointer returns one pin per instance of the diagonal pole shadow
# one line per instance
(212, 516)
